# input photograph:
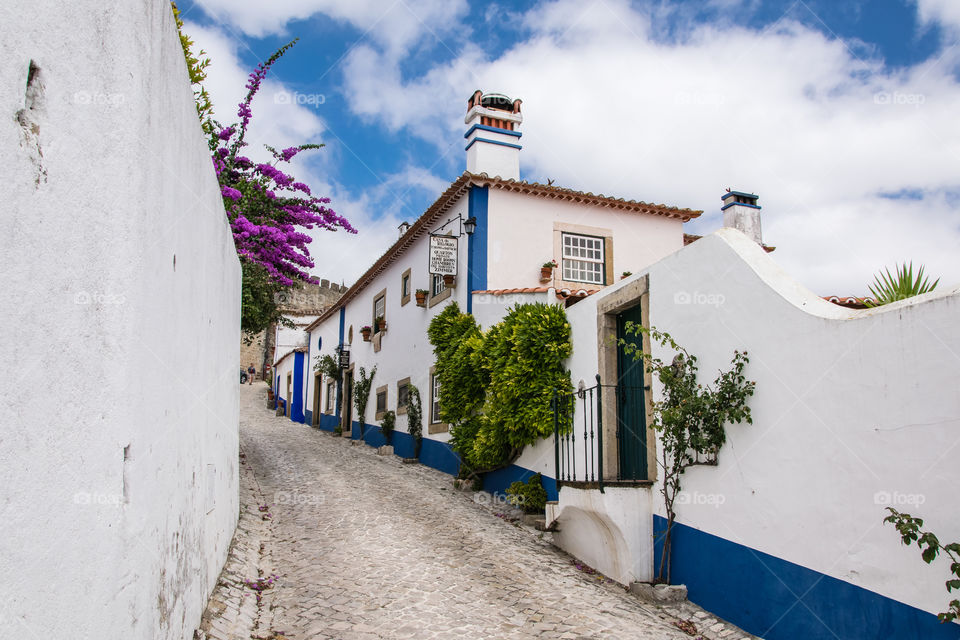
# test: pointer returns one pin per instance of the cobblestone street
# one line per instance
(363, 546)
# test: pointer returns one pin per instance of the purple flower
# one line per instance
(230, 192)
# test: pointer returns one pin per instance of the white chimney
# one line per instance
(741, 212)
(493, 139)
(403, 228)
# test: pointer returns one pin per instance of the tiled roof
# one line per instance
(852, 302)
(459, 186)
(500, 292)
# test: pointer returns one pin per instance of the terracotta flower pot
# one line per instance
(449, 280)
(366, 335)
(546, 273)
(421, 299)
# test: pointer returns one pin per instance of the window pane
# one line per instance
(381, 402)
(435, 408)
(583, 259)
(402, 393)
(437, 284)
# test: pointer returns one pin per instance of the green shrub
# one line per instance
(387, 424)
(496, 387)
(529, 496)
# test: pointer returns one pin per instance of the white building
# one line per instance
(854, 411)
(121, 315)
(504, 230)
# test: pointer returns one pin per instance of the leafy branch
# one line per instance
(690, 417)
(361, 394)
(910, 532)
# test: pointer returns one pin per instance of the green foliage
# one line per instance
(258, 302)
(496, 387)
(529, 496)
(909, 528)
(691, 416)
(387, 425)
(197, 68)
(361, 394)
(889, 288)
(328, 366)
(414, 414)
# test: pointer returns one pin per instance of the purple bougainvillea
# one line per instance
(268, 210)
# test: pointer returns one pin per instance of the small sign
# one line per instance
(344, 358)
(443, 255)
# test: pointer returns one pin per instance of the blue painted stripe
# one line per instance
(499, 481)
(296, 402)
(740, 204)
(343, 312)
(503, 144)
(780, 600)
(477, 204)
(483, 127)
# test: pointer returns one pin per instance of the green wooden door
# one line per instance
(631, 408)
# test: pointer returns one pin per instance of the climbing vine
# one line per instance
(690, 417)
(328, 366)
(361, 394)
(497, 385)
(415, 418)
(909, 528)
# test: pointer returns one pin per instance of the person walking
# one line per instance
(251, 371)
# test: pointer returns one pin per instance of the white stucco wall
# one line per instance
(405, 350)
(522, 237)
(120, 302)
(854, 411)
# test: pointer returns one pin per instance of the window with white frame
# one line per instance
(434, 398)
(438, 285)
(379, 311)
(583, 258)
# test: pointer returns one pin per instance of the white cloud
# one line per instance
(395, 24)
(787, 113)
(947, 12)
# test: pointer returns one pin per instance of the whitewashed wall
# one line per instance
(405, 350)
(521, 236)
(854, 411)
(119, 300)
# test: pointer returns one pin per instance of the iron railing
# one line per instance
(579, 433)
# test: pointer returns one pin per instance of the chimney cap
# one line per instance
(742, 194)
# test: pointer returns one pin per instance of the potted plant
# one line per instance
(422, 297)
(546, 271)
(449, 279)
(625, 275)
(366, 331)
(381, 324)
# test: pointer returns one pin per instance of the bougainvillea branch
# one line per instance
(269, 211)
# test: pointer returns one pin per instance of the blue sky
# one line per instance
(840, 115)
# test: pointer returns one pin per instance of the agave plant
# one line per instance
(889, 288)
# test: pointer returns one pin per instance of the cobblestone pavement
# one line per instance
(335, 541)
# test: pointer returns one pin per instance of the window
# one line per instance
(405, 288)
(403, 395)
(331, 391)
(438, 285)
(434, 398)
(381, 402)
(583, 259)
(379, 310)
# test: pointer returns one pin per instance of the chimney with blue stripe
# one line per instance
(493, 138)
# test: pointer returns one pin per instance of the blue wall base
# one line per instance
(779, 600)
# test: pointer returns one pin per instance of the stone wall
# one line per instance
(308, 299)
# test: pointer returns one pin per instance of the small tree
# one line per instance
(414, 418)
(690, 418)
(889, 288)
(361, 393)
(387, 425)
(909, 528)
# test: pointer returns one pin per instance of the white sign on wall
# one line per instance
(443, 255)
